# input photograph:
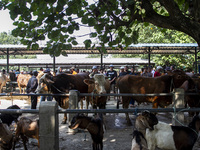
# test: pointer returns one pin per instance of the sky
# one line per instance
(7, 26)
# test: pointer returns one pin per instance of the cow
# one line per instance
(22, 81)
(98, 85)
(192, 100)
(63, 83)
(145, 85)
(3, 79)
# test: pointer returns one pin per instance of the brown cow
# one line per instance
(98, 85)
(3, 79)
(63, 83)
(22, 81)
(144, 85)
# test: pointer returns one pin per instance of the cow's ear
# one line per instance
(49, 81)
(185, 85)
(88, 81)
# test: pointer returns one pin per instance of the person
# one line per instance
(132, 71)
(49, 98)
(102, 71)
(146, 73)
(17, 73)
(158, 70)
(112, 76)
(41, 70)
(126, 69)
(72, 71)
(59, 71)
(31, 87)
(94, 71)
(122, 71)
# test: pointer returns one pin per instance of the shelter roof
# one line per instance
(152, 48)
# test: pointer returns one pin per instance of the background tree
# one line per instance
(56, 20)
(153, 34)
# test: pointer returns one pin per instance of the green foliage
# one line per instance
(6, 38)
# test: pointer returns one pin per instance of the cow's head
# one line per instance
(179, 77)
(146, 120)
(44, 82)
(97, 84)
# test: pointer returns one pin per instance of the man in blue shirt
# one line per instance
(112, 76)
(31, 87)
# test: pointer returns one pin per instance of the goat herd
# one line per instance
(148, 132)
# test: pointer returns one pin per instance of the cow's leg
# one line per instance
(126, 101)
(64, 121)
(81, 101)
(155, 102)
(20, 89)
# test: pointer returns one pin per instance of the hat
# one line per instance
(47, 70)
(35, 73)
(158, 67)
(122, 67)
(72, 68)
(111, 66)
(94, 67)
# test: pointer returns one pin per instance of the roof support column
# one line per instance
(149, 55)
(195, 61)
(54, 63)
(7, 60)
(101, 60)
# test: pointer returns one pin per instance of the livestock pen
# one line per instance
(48, 114)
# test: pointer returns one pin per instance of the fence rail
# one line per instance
(133, 110)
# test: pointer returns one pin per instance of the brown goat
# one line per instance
(93, 125)
(6, 137)
(27, 128)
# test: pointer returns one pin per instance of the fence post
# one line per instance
(73, 104)
(179, 102)
(48, 126)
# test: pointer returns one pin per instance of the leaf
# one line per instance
(87, 43)
(93, 34)
(35, 46)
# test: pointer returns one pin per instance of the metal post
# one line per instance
(73, 104)
(48, 126)
(7, 60)
(178, 100)
(149, 59)
(195, 68)
(101, 60)
(54, 64)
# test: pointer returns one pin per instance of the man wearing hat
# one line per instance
(49, 98)
(112, 75)
(158, 70)
(31, 87)
(94, 71)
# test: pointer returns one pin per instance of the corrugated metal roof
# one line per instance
(152, 48)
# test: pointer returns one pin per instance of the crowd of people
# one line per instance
(111, 74)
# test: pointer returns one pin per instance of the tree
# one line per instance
(7, 38)
(57, 20)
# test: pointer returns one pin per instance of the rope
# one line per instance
(174, 117)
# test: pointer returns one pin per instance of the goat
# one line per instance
(165, 136)
(27, 128)
(139, 142)
(6, 137)
(93, 125)
(9, 118)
